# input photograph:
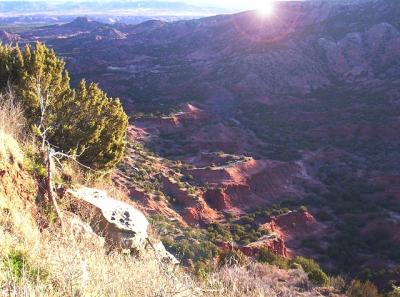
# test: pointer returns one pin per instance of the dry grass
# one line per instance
(11, 129)
(9, 149)
(65, 263)
(12, 119)
(69, 268)
(258, 280)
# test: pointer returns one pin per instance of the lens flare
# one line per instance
(265, 7)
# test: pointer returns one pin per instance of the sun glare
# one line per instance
(265, 7)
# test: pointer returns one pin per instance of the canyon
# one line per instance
(285, 124)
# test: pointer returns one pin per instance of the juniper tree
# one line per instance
(84, 122)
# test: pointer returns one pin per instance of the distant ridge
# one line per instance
(7, 37)
(67, 7)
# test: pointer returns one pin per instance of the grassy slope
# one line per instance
(38, 258)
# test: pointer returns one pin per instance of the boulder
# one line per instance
(81, 230)
(122, 226)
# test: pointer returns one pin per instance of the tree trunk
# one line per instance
(49, 184)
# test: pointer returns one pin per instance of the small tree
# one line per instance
(85, 125)
(85, 122)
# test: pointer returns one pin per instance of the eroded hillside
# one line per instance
(277, 133)
(96, 245)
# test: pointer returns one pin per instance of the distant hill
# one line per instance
(298, 109)
(43, 7)
(25, 13)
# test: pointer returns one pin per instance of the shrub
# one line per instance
(361, 289)
(318, 277)
(303, 209)
(267, 256)
(202, 270)
(313, 270)
(307, 264)
(248, 220)
(84, 121)
(35, 166)
(218, 231)
(17, 264)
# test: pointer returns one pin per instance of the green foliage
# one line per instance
(303, 209)
(275, 210)
(318, 277)
(307, 264)
(360, 289)
(202, 270)
(218, 231)
(84, 121)
(195, 251)
(18, 265)
(50, 213)
(267, 256)
(314, 271)
(15, 263)
(35, 166)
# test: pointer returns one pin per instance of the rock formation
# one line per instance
(121, 225)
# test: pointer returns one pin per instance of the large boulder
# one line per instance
(122, 226)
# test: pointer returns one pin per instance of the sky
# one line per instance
(211, 3)
(224, 3)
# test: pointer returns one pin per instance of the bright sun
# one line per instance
(265, 7)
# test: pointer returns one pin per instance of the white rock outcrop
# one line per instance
(121, 225)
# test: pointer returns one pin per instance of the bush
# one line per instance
(267, 256)
(15, 263)
(18, 265)
(318, 277)
(303, 209)
(202, 270)
(85, 121)
(218, 231)
(314, 271)
(360, 289)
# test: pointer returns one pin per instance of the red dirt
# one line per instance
(250, 184)
(294, 227)
(197, 211)
(291, 224)
(218, 199)
(274, 244)
(200, 214)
